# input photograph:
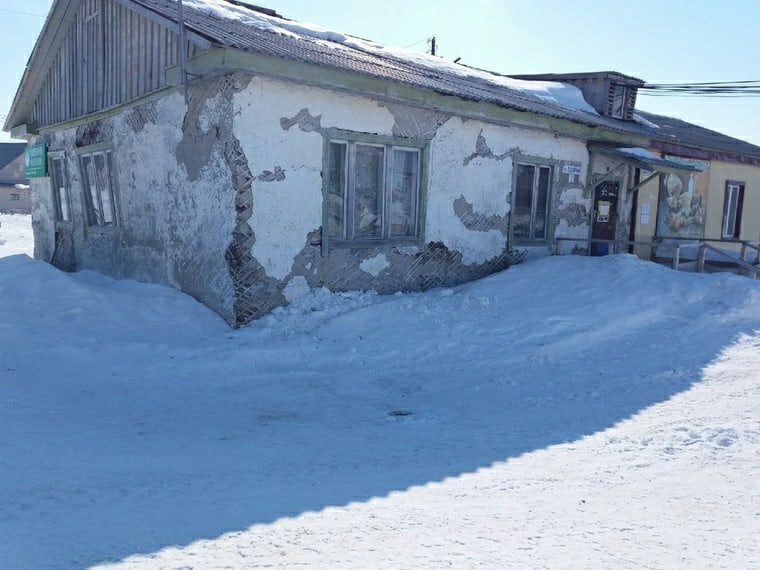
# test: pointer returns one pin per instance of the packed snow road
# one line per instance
(570, 412)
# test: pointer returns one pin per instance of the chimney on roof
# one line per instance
(255, 8)
(612, 94)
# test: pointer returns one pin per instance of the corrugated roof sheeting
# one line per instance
(235, 34)
(687, 134)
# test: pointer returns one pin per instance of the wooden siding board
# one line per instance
(110, 55)
(122, 40)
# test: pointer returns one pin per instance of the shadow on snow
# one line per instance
(139, 455)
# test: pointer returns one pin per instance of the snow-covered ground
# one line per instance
(567, 413)
(16, 235)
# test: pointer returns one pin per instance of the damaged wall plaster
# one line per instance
(482, 150)
(286, 212)
(304, 120)
(194, 214)
(415, 123)
(287, 216)
(375, 265)
(268, 176)
(159, 236)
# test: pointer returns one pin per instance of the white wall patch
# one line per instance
(296, 288)
(375, 265)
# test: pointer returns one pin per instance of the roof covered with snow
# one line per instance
(644, 158)
(234, 24)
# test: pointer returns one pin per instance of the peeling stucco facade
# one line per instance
(222, 198)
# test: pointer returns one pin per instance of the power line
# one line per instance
(21, 12)
(744, 88)
(416, 43)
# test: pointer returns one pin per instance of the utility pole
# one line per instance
(431, 42)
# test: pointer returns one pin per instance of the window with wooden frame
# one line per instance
(97, 168)
(59, 182)
(372, 189)
(531, 197)
(621, 101)
(732, 209)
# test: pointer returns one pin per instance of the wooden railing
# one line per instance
(703, 247)
(742, 265)
(615, 243)
(750, 246)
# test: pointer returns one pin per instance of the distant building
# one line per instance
(720, 203)
(15, 195)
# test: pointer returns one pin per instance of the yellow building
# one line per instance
(720, 204)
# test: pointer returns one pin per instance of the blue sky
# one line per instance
(661, 41)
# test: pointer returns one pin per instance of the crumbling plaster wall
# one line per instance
(43, 218)
(484, 179)
(222, 198)
(175, 213)
(281, 127)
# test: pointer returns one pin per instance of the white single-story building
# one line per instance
(245, 158)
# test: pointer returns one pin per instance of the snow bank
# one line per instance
(16, 235)
(593, 412)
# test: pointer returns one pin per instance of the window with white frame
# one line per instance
(59, 181)
(530, 201)
(15, 197)
(99, 196)
(732, 209)
(372, 190)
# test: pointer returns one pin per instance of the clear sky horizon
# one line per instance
(669, 41)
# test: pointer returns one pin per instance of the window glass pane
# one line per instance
(542, 203)
(368, 191)
(618, 101)
(104, 187)
(93, 204)
(55, 185)
(404, 197)
(523, 200)
(61, 190)
(733, 199)
(729, 210)
(336, 190)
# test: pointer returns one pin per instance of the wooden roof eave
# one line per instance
(48, 44)
(49, 38)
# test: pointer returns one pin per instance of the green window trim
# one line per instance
(374, 190)
(60, 186)
(532, 200)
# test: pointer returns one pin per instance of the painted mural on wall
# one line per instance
(683, 198)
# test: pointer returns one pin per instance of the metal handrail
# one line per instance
(750, 245)
(740, 263)
(697, 242)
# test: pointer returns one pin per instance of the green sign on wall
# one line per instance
(35, 161)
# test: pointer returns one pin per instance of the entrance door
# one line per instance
(605, 216)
